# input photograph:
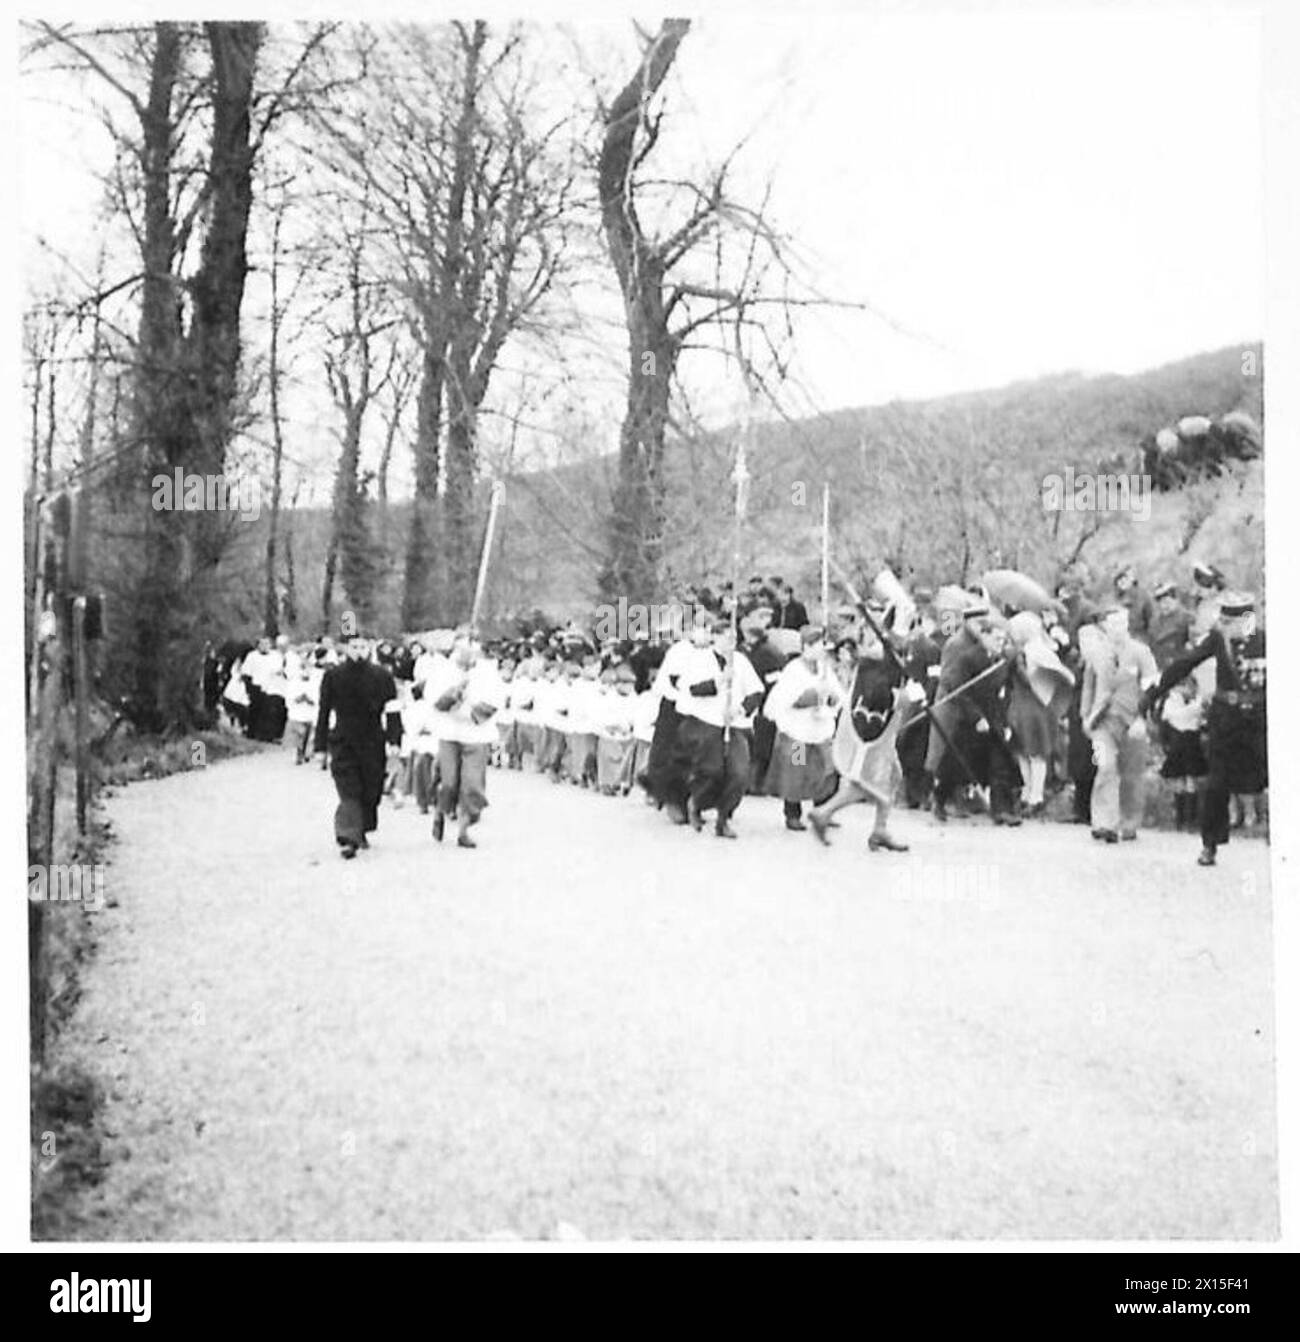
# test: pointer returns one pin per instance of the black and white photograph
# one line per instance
(654, 631)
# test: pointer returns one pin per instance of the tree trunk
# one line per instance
(157, 391)
(418, 593)
(290, 576)
(271, 603)
(637, 522)
(187, 386)
(458, 512)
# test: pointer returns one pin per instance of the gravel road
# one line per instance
(600, 1026)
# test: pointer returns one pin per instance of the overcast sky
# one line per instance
(1014, 194)
(1024, 194)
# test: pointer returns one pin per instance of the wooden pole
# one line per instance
(81, 689)
(741, 476)
(36, 560)
(49, 667)
(826, 555)
(498, 490)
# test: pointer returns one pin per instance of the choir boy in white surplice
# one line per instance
(803, 705)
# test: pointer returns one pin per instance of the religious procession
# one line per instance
(992, 700)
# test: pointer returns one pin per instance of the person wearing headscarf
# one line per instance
(1040, 686)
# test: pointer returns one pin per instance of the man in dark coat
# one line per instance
(921, 657)
(1237, 725)
(1171, 627)
(964, 656)
(767, 661)
(1141, 609)
(357, 693)
(791, 614)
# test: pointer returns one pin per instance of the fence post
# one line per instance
(81, 689)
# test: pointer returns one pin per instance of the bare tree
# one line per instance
(474, 192)
(188, 115)
(357, 370)
(702, 279)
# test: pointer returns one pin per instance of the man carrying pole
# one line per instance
(948, 695)
(719, 692)
(464, 697)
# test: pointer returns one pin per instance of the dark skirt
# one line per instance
(1184, 757)
(1032, 723)
(669, 760)
(798, 771)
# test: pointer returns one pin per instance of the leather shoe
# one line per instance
(795, 823)
(347, 850)
(1207, 858)
(1105, 835)
(887, 842)
(723, 830)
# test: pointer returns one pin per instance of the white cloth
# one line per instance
(1184, 715)
(263, 668)
(670, 669)
(506, 713)
(717, 709)
(554, 711)
(523, 700)
(303, 697)
(617, 713)
(644, 715)
(814, 725)
(584, 706)
(427, 665)
(236, 692)
(480, 686)
(418, 723)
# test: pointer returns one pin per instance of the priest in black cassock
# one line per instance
(361, 697)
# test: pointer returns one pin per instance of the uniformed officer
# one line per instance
(1237, 729)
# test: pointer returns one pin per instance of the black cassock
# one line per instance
(356, 693)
